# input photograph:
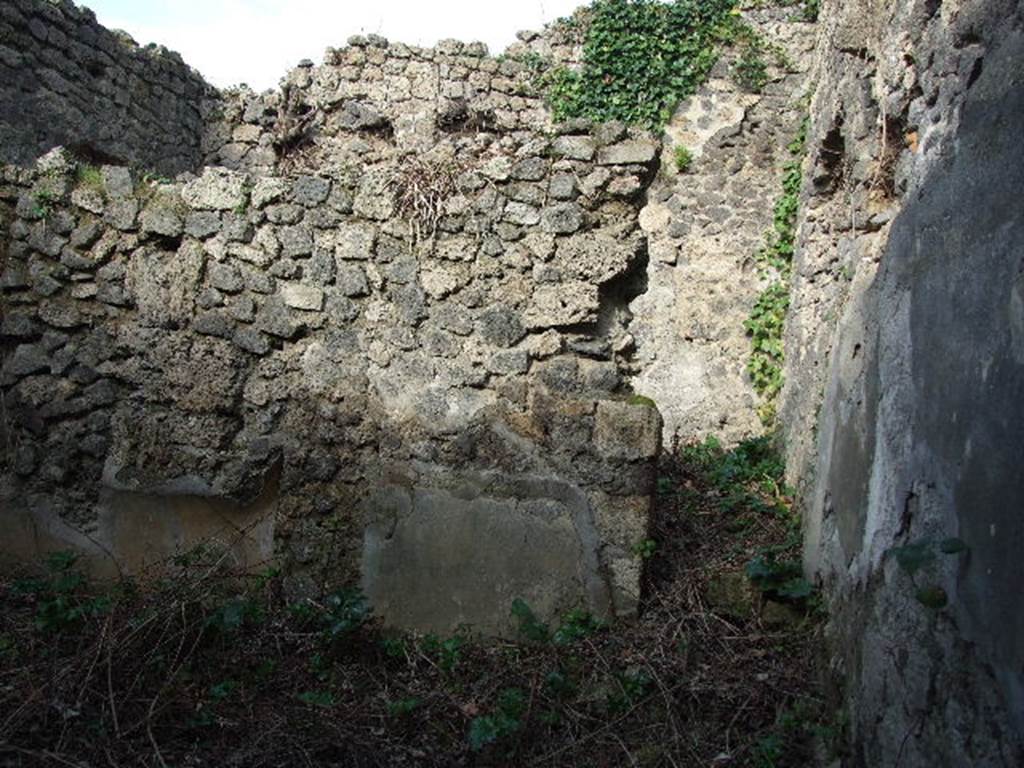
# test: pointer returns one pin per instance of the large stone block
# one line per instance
(437, 559)
(217, 189)
(624, 430)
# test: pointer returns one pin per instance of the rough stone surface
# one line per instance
(905, 379)
(74, 83)
(703, 229)
(276, 342)
(277, 323)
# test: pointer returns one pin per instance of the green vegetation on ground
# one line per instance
(197, 665)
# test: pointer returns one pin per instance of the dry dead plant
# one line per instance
(421, 186)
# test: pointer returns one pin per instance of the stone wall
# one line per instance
(389, 350)
(905, 379)
(705, 227)
(66, 80)
(391, 331)
(412, 96)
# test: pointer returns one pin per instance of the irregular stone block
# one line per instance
(633, 152)
(440, 280)
(562, 186)
(563, 219)
(626, 431)
(285, 213)
(501, 327)
(26, 360)
(574, 147)
(295, 241)
(310, 191)
(122, 214)
(214, 324)
(161, 218)
(202, 224)
(85, 234)
(300, 296)
(522, 214)
(251, 341)
(497, 168)
(117, 181)
(60, 314)
(509, 362)
(530, 169)
(355, 241)
(217, 189)
(358, 116)
(351, 280)
(559, 305)
(267, 190)
(226, 277)
(595, 256)
(14, 276)
(435, 560)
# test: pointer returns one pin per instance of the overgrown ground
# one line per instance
(205, 670)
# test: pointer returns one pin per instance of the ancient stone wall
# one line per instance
(414, 96)
(391, 333)
(66, 80)
(905, 380)
(394, 359)
(395, 323)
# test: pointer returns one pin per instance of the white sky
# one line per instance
(257, 41)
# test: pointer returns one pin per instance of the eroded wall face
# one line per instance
(393, 361)
(66, 80)
(390, 334)
(905, 331)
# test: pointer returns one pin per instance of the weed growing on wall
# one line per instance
(421, 186)
(810, 10)
(921, 555)
(766, 321)
(640, 58)
(89, 176)
(751, 71)
(683, 159)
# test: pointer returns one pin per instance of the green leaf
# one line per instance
(403, 707)
(482, 731)
(953, 546)
(797, 589)
(222, 690)
(913, 557)
(529, 626)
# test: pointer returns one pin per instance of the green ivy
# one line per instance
(639, 59)
(503, 722)
(767, 319)
(751, 71)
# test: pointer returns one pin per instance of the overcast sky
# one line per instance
(257, 41)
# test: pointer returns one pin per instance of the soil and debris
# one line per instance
(207, 669)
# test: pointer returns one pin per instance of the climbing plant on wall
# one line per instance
(640, 58)
(766, 321)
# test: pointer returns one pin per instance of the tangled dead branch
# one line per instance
(421, 186)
